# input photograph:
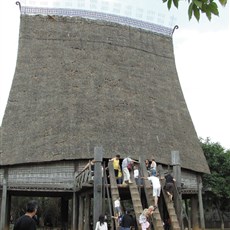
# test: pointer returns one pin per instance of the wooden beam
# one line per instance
(87, 212)
(97, 189)
(75, 211)
(175, 159)
(194, 212)
(4, 202)
(201, 208)
(81, 212)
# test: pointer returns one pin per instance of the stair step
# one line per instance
(172, 212)
(176, 227)
(159, 223)
(156, 220)
(173, 218)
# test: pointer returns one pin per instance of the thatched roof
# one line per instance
(82, 83)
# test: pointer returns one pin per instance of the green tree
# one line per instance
(197, 7)
(218, 182)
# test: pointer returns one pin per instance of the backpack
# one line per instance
(129, 166)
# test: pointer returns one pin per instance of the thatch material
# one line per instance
(81, 83)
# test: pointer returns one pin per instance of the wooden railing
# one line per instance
(84, 177)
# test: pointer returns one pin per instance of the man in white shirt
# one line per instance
(125, 163)
(156, 188)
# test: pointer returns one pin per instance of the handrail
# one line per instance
(84, 176)
(88, 167)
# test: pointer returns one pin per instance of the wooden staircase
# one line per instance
(171, 210)
(113, 188)
(156, 217)
(135, 195)
(84, 178)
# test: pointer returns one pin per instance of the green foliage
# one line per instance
(218, 182)
(196, 7)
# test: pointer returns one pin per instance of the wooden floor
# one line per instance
(41, 228)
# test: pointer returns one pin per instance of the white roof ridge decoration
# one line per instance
(98, 16)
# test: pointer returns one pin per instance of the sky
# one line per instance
(201, 52)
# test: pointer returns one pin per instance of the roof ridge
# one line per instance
(98, 16)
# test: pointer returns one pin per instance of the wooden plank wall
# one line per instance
(52, 176)
(188, 179)
(60, 175)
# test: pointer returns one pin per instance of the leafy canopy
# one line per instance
(196, 7)
(219, 163)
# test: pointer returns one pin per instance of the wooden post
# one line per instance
(160, 171)
(175, 159)
(8, 206)
(4, 202)
(87, 212)
(81, 212)
(75, 212)
(75, 203)
(97, 188)
(143, 173)
(194, 209)
(103, 188)
(201, 209)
